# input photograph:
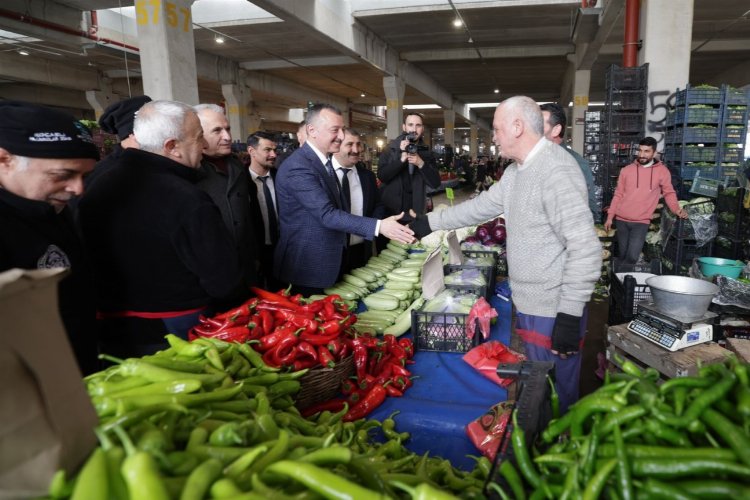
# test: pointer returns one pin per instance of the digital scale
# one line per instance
(668, 331)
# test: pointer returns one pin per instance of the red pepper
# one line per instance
(385, 374)
(236, 334)
(346, 348)
(330, 327)
(360, 360)
(268, 358)
(325, 357)
(306, 349)
(285, 356)
(245, 309)
(393, 391)
(347, 387)
(274, 298)
(398, 352)
(390, 341)
(372, 400)
(384, 360)
(300, 364)
(400, 371)
(356, 396)
(402, 383)
(328, 311)
(335, 347)
(408, 346)
(266, 319)
(332, 405)
(296, 298)
(313, 307)
(298, 319)
(272, 339)
(211, 322)
(316, 340)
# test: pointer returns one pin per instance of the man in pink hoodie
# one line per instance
(639, 187)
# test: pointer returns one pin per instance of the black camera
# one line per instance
(412, 137)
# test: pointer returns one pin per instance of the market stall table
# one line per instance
(447, 396)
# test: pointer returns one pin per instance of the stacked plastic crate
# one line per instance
(593, 150)
(622, 121)
(680, 245)
(733, 131)
(734, 224)
(693, 135)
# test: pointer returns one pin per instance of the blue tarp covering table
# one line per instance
(447, 395)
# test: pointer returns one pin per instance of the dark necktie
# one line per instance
(273, 225)
(329, 168)
(345, 188)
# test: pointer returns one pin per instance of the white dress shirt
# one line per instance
(262, 201)
(355, 194)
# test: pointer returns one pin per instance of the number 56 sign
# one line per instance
(151, 12)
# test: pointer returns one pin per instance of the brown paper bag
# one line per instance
(46, 416)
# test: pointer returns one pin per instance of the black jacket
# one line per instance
(401, 191)
(34, 236)
(229, 191)
(158, 242)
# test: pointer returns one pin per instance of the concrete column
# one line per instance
(666, 49)
(345, 113)
(100, 99)
(238, 111)
(394, 88)
(165, 32)
(254, 122)
(449, 119)
(473, 140)
(581, 84)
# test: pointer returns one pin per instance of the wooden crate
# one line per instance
(740, 347)
(644, 353)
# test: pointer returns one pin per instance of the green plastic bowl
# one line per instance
(711, 266)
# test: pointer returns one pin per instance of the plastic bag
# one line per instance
(487, 431)
(471, 276)
(732, 292)
(704, 224)
(450, 301)
(485, 357)
(483, 312)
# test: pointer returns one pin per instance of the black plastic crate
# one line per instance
(624, 122)
(691, 153)
(625, 295)
(735, 115)
(734, 96)
(618, 78)
(694, 115)
(679, 254)
(687, 172)
(693, 135)
(629, 100)
(491, 271)
(731, 155)
(730, 200)
(692, 95)
(534, 413)
(734, 134)
(444, 332)
(736, 228)
(485, 291)
(727, 248)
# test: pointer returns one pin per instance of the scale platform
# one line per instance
(668, 331)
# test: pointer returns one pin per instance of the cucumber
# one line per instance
(363, 274)
(403, 322)
(353, 280)
(398, 285)
(381, 302)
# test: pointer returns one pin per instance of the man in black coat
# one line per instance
(226, 182)
(162, 253)
(44, 155)
(405, 168)
(363, 196)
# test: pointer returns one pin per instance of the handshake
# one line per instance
(405, 227)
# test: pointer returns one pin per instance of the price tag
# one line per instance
(433, 279)
(449, 194)
(455, 255)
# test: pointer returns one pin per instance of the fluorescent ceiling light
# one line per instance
(457, 23)
(421, 106)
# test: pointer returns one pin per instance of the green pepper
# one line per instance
(596, 483)
(228, 434)
(731, 434)
(669, 468)
(241, 464)
(283, 388)
(199, 481)
(107, 387)
(570, 487)
(181, 463)
(607, 450)
(513, 479)
(657, 489)
(327, 483)
(225, 488)
(142, 368)
(369, 477)
(715, 488)
(132, 417)
(423, 492)
(328, 456)
(276, 452)
(525, 465)
(59, 487)
(624, 482)
(185, 348)
(666, 433)
(554, 398)
(142, 477)
(700, 403)
(92, 480)
(619, 418)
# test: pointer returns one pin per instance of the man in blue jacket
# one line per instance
(314, 221)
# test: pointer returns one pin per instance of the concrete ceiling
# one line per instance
(524, 46)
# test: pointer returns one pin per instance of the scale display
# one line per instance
(670, 332)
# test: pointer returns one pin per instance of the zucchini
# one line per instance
(403, 322)
(364, 274)
(344, 294)
(408, 279)
(381, 302)
(396, 249)
(405, 246)
(353, 280)
(390, 315)
(407, 271)
(390, 253)
(375, 270)
(399, 294)
(382, 262)
(412, 264)
(418, 255)
(398, 285)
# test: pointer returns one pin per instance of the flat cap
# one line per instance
(118, 117)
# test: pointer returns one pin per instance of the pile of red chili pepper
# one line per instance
(289, 331)
(381, 372)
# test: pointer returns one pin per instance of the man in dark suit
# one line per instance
(226, 182)
(262, 151)
(361, 193)
(313, 218)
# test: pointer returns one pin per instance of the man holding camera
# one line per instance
(405, 167)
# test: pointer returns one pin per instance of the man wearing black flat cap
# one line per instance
(44, 156)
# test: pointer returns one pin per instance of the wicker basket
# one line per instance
(321, 384)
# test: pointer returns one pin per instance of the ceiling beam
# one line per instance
(307, 62)
(333, 23)
(736, 76)
(292, 91)
(505, 52)
(586, 53)
(443, 6)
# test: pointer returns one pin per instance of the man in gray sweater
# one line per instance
(554, 256)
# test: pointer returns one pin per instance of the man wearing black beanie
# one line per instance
(44, 155)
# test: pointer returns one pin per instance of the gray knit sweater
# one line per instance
(554, 255)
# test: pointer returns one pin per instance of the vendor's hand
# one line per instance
(682, 214)
(608, 225)
(393, 230)
(566, 335)
(421, 226)
(415, 159)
